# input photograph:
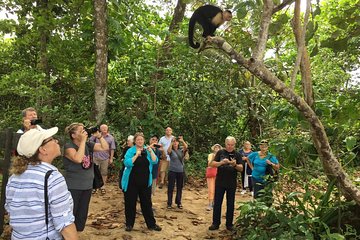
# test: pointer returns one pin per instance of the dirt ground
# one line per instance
(106, 219)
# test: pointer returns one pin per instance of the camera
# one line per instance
(157, 145)
(35, 121)
(91, 130)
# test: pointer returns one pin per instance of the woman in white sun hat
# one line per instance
(25, 198)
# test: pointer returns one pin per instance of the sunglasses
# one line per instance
(49, 140)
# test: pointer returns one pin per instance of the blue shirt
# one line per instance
(129, 165)
(259, 165)
(25, 203)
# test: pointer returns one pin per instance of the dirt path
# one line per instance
(106, 219)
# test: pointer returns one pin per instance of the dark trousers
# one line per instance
(230, 202)
(81, 200)
(131, 196)
(173, 177)
(263, 191)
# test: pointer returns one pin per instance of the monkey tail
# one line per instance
(191, 33)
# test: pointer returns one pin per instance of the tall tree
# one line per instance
(101, 53)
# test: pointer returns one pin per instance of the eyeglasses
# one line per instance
(49, 140)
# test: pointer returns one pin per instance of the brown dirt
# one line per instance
(106, 219)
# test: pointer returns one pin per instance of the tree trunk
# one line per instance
(101, 65)
(165, 51)
(303, 56)
(332, 167)
(44, 38)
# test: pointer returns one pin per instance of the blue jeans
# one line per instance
(230, 203)
(258, 186)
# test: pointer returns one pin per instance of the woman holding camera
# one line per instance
(176, 170)
(79, 169)
(258, 162)
(136, 182)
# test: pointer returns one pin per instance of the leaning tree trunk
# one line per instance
(331, 165)
(101, 65)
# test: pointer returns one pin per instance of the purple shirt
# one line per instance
(104, 155)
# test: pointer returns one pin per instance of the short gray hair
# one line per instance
(230, 139)
(29, 109)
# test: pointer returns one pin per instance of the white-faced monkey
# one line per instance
(210, 18)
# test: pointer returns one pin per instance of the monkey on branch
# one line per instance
(210, 18)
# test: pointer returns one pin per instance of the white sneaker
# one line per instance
(243, 192)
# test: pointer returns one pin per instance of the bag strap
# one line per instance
(91, 152)
(180, 158)
(46, 197)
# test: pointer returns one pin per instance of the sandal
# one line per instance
(102, 191)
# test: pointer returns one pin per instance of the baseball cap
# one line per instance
(264, 141)
(31, 140)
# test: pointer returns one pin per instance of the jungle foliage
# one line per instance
(47, 57)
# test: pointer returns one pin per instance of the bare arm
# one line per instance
(69, 232)
(218, 164)
(276, 166)
(169, 150)
(111, 156)
(152, 153)
(76, 156)
(211, 157)
(102, 146)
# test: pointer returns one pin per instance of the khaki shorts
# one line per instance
(164, 165)
(103, 165)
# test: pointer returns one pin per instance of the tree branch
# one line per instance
(282, 5)
(259, 51)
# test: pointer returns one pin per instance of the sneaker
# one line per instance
(243, 192)
(180, 206)
(155, 228)
(169, 207)
(128, 228)
(213, 227)
(161, 185)
(230, 228)
(252, 193)
(209, 208)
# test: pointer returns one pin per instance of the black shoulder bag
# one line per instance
(98, 181)
(46, 198)
(273, 175)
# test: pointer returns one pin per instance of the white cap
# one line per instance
(31, 140)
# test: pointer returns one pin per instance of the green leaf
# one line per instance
(350, 142)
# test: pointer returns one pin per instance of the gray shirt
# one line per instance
(79, 176)
(176, 163)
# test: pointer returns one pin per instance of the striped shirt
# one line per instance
(26, 205)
